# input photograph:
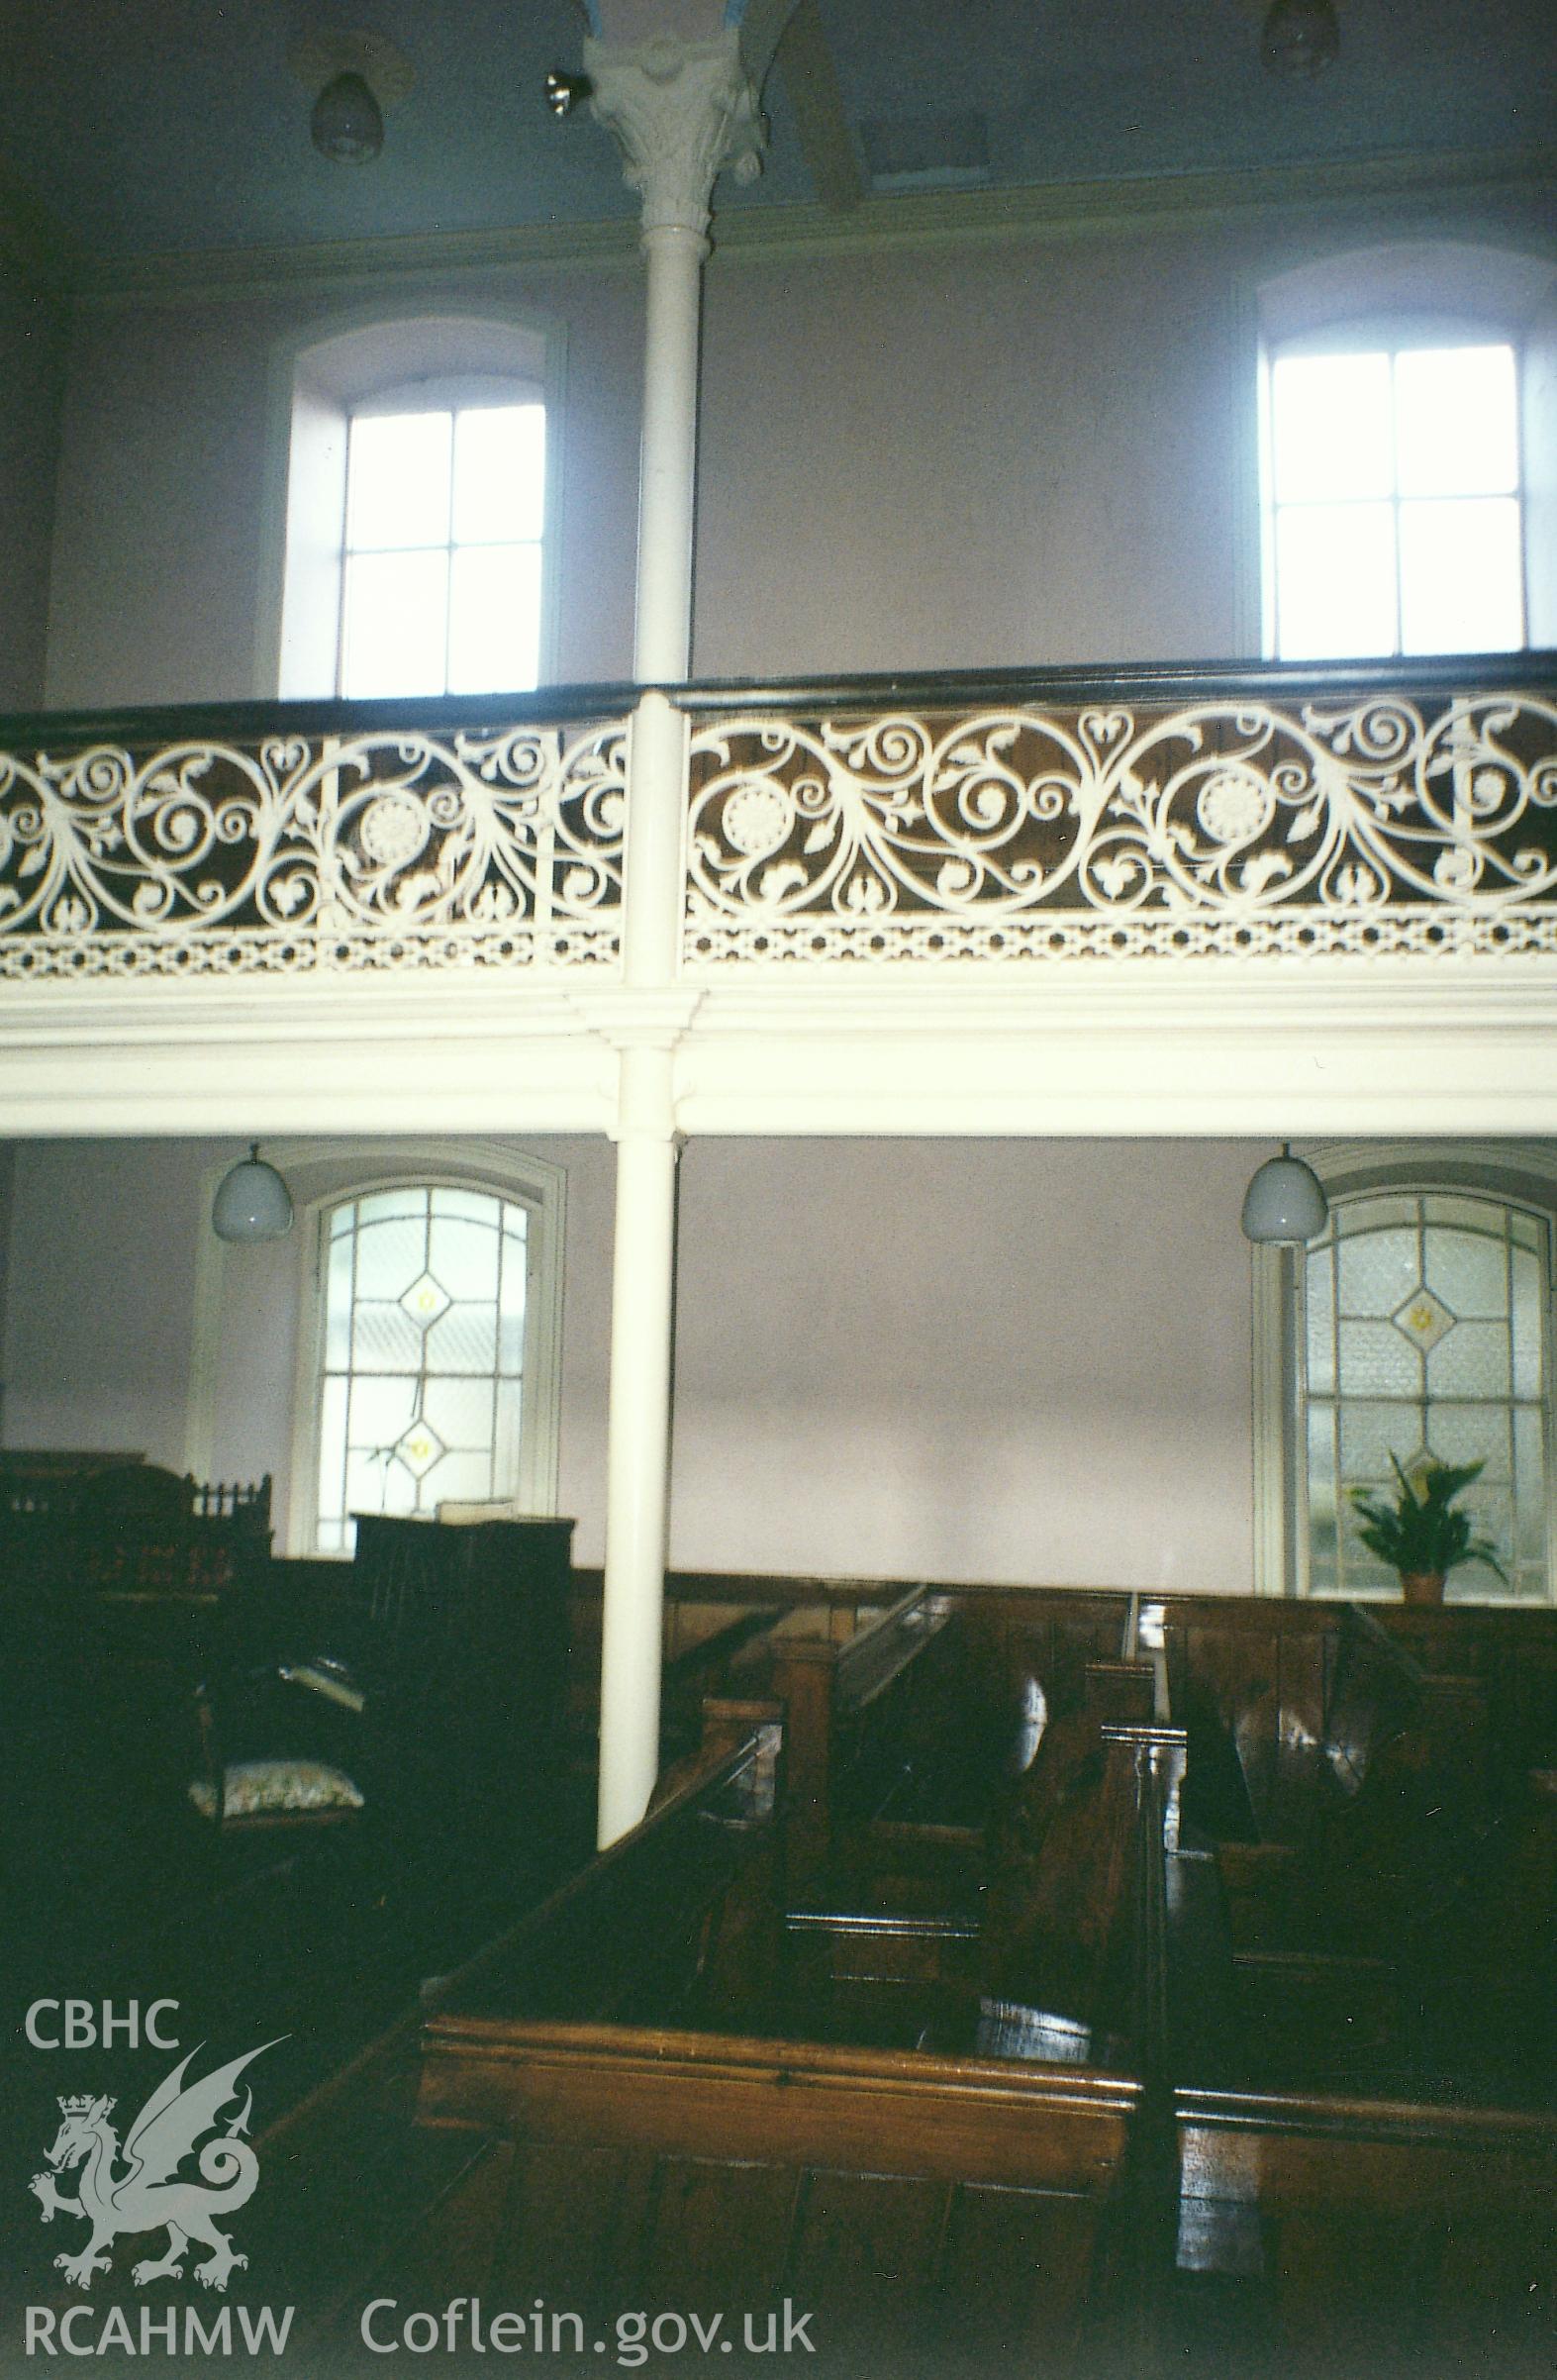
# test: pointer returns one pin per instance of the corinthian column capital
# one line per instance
(680, 111)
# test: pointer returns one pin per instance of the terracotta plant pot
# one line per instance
(1422, 1586)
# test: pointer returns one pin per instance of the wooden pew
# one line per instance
(1361, 2047)
(609, 2115)
(709, 1615)
(1324, 2233)
(863, 1716)
(625, 2103)
(701, 2166)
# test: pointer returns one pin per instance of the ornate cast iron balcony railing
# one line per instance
(1407, 809)
(279, 841)
(1372, 809)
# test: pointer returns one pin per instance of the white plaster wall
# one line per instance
(999, 1360)
(1014, 451)
(172, 480)
(106, 1244)
(32, 367)
(1008, 1360)
(100, 1304)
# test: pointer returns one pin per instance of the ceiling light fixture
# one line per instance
(252, 1203)
(1299, 38)
(565, 92)
(1285, 1203)
(354, 77)
(347, 124)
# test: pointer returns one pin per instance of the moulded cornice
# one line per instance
(298, 1011)
(1416, 184)
(637, 1019)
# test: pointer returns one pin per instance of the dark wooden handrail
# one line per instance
(1139, 682)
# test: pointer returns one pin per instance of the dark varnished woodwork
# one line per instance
(1374, 2229)
(908, 2199)
(464, 1650)
(626, 2129)
(1373, 2180)
(857, 1713)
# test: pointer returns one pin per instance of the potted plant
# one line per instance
(1422, 1535)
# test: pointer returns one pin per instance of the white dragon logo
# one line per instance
(147, 2196)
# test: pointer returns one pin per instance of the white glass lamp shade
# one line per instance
(347, 124)
(1283, 1203)
(1299, 38)
(253, 1202)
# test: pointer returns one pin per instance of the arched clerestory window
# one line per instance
(421, 456)
(1408, 453)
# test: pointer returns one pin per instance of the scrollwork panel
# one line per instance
(369, 849)
(1229, 814)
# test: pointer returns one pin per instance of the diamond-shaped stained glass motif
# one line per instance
(426, 1299)
(419, 1449)
(1424, 1318)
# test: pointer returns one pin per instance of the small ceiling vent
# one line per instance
(926, 153)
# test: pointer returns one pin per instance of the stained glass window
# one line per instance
(1425, 1334)
(423, 1341)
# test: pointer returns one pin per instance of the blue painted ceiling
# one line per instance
(147, 125)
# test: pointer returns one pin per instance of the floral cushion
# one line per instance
(276, 1789)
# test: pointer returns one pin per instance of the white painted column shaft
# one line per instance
(680, 110)
(638, 1464)
(638, 1444)
(662, 646)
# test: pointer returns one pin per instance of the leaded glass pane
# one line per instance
(384, 1339)
(463, 1255)
(460, 1410)
(1467, 1271)
(464, 1339)
(473, 1206)
(1472, 1433)
(1453, 1213)
(1323, 1571)
(465, 1476)
(366, 1488)
(383, 1205)
(338, 1298)
(422, 1333)
(381, 1408)
(1377, 1362)
(333, 1449)
(1370, 1434)
(1527, 1303)
(1529, 1471)
(1319, 1289)
(1378, 1271)
(390, 1255)
(1471, 1360)
(1422, 1320)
